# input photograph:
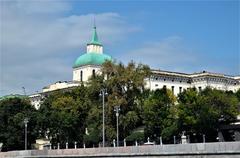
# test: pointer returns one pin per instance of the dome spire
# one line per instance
(94, 46)
(94, 35)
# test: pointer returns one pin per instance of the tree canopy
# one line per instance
(76, 114)
(12, 113)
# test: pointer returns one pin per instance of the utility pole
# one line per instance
(24, 91)
(103, 92)
(25, 123)
(117, 109)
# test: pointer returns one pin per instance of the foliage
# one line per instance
(125, 87)
(160, 114)
(63, 114)
(66, 115)
(204, 112)
(238, 94)
(12, 113)
(135, 136)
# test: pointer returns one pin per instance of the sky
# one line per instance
(40, 40)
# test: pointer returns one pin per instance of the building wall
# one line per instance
(176, 86)
(60, 85)
(87, 72)
(94, 48)
(35, 100)
(177, 82)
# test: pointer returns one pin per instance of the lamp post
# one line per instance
(25, 123)
(117, 109)
(103, 92)
(24, 91)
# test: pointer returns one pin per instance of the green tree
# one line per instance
(12, 113)
(238, 94)
(125, 86)
(63, 116)
(204, 112)
(160, 115)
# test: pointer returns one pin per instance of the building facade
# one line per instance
(177, 82)
(89, 64)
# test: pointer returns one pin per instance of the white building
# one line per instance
(177, 81)
(89, 64)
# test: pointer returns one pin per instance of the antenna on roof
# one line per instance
(94, 22)
(24, 91)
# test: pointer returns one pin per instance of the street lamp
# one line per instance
(103, 93)
(25, 123)
(24, 91)
(117, 109)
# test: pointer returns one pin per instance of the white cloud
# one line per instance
(39, 43)
(170, 53)
(36, 6)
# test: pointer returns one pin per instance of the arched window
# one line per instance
(81, 76)
(93, 72)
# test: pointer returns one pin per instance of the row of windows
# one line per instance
(180, 88)
(171, 79)
(223, 80)
(195, 80)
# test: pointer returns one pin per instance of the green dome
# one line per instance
(91, 59)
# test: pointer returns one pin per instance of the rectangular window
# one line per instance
(180, 89)
(200, 89)
(173, 89)
(81, 76)
(164, 86)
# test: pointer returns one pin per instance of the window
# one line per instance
(81, 76)
(156, 85)
(172, 89)
(200, 89)
(164, 86)
(93, 73)
(180, 89)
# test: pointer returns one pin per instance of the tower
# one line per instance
(89, 64)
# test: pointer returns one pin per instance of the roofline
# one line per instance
(99, 44)
(196, 74)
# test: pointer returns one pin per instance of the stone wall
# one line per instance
(198, 150)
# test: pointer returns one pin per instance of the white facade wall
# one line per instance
(87, 72)
(176, 86)
(94, 48)
(35, 100)
(59, 85)
(178, 82)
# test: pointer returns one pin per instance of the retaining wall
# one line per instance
(198, 150)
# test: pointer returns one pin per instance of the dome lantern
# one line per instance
(94, 46)
(94, 55)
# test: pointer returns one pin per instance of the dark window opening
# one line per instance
(200, 89)
(93, 73)
(173, 89)
(81, 76)
(180, 89)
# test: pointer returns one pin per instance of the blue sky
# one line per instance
(41, 39)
